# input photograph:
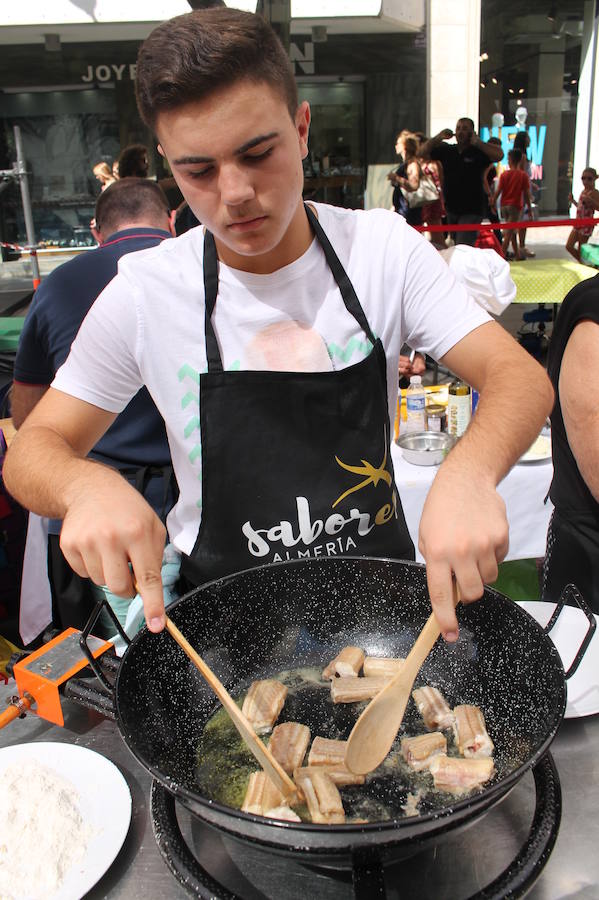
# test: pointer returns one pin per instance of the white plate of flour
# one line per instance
(72, 836)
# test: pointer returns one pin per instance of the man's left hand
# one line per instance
(463, 532)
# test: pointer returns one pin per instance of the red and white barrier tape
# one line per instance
(501, 226)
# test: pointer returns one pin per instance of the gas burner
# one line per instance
(225, 868)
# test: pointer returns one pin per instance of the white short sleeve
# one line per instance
(437, 310)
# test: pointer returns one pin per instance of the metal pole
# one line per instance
(26, 201)
(278, 13)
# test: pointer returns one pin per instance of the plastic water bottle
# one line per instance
(415, 402)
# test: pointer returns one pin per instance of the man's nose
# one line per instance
(235, 185)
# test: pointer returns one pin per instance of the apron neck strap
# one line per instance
(215, 363)
(350, 298)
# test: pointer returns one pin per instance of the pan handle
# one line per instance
(571, 592)
(100, 605)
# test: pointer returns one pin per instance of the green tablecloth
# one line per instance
(10, 330)
(547, 280)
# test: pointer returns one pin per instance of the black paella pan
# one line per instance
(297, 616)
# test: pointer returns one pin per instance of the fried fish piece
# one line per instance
(347, 664)
(420, 751)
(433, 708)
(470, 732)
(282, 812)
(339, 774)
(261, 794)
(326, 752)
(288, 744)
(351, 690)
(387, 666)
(263, 703)
(450, 773)
(322, 797)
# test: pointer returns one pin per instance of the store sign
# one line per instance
(302, 61)
(506, 134)
(111, 72)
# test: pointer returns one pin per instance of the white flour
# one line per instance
(42, 834)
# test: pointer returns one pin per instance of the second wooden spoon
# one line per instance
(374, 732)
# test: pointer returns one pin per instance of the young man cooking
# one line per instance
(269, 339)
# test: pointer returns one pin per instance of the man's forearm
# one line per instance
(43, 473)
(494, 152)
(432, 142)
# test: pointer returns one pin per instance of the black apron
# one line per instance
(294, 464)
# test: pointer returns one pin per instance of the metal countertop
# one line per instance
(483, 850)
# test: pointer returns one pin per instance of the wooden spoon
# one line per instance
(374, 732)
(275, 772)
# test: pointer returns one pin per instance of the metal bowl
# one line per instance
(425, 448)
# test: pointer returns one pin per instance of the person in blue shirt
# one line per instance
(131, 214)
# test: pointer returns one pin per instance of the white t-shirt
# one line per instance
(147, 326)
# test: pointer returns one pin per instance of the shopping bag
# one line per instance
(426, 192)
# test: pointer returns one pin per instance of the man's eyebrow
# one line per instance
(254, 142)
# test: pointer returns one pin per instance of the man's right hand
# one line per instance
(108, 525)
(445, 135)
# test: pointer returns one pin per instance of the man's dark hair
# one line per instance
(191, 56)
(467, 119)
(133, 162)
(131, 200)
(515, 156)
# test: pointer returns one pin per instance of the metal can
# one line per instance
(436, 418)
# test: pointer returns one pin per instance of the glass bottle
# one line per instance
(459, 408)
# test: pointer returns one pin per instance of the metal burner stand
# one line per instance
(513, 882)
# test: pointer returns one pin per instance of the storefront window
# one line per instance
(530, 65)
(334, 168)
(75, 107)
(63, 134)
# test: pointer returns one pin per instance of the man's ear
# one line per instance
(302, 124)
(160, 150)
(96, 232)
(171, 222)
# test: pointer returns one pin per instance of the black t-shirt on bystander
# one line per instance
(569, 492)
(463, 177)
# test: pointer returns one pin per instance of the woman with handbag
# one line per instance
(406, 179)
(433, 213)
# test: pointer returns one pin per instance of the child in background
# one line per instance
(514, 188)
(586, 205)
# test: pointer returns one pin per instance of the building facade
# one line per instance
(368, 67)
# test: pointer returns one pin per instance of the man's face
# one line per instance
(463, 132)
(237, 158)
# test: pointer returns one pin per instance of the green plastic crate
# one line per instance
(10, 331)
